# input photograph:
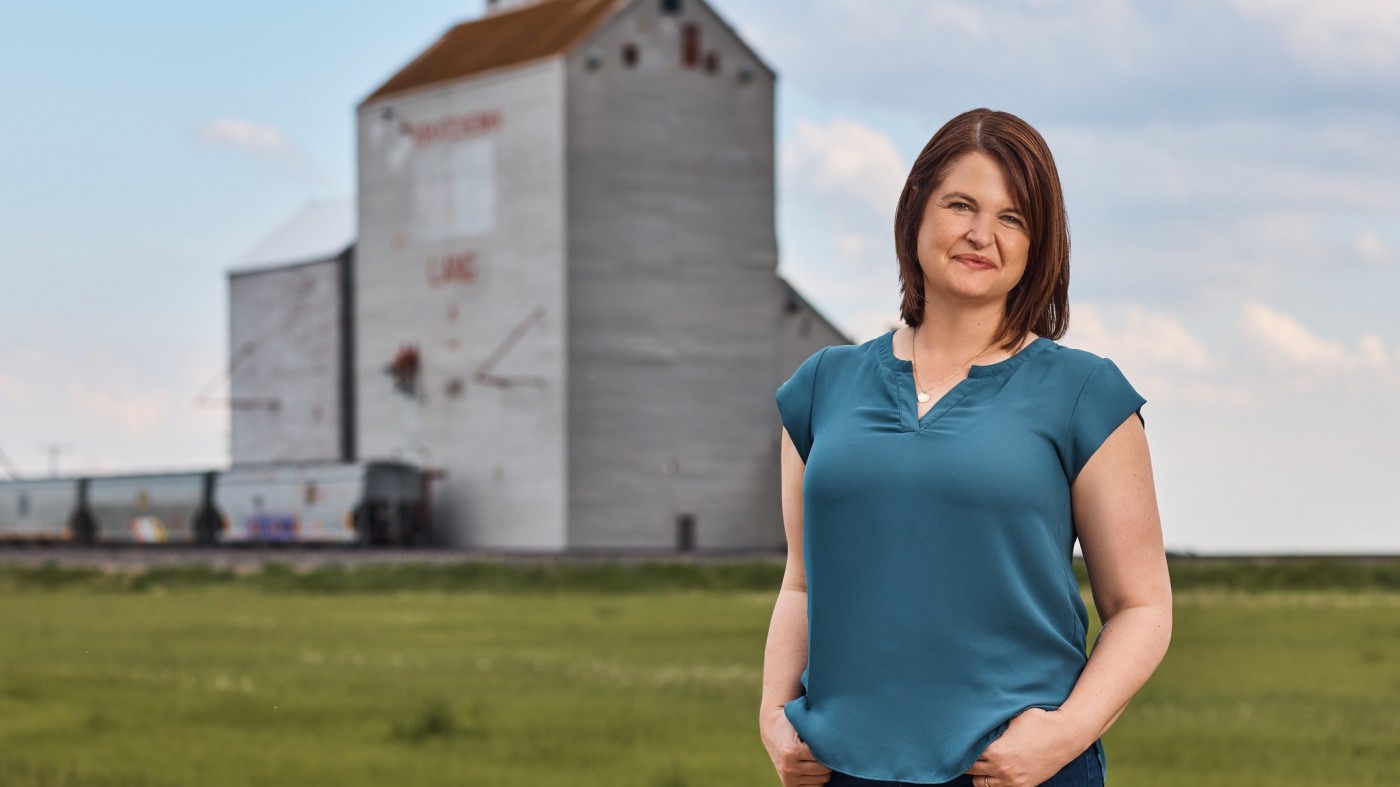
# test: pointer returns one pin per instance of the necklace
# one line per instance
(914, 352)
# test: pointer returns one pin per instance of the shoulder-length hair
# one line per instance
(1040, 301)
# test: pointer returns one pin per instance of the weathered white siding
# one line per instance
(461, 217)
(285, 363)
(674, 313)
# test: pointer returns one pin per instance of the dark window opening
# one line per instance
(685, 532)
(711, 62)
(629, 55)
(690, 45)
(672, 7)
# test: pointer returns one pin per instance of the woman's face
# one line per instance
(973, 241)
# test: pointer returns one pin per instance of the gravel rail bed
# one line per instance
(249, 558)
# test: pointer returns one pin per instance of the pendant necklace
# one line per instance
(924, 392)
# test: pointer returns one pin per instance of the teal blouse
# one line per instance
(941, 599)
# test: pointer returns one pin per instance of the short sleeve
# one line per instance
(1105, 401)
(795, 403)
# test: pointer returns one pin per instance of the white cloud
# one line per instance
(853, 247)
(853, 23)
(1162, 358)
(1150, 338)
(844, 159)
(106, 406)
(1196, 393)
(1370, 247)
(1372, 351)
(1236, 166)
(248, 136)
(1336, 35)
(1094, 58)
(951, 18)
(1215, 209)
(1311, 358)
(862, 305)
(841, 182)
(1290, 340)
(139, 413)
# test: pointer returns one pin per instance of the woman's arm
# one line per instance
(785, 655)
(1115, 512)
(1114, 500)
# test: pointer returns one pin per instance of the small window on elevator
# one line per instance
(672, 7)
(685, 532)
(629, 55)
(711, 62)
(690, 45)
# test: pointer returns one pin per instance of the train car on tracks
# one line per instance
(374, 503)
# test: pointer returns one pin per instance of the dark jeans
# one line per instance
(1082, 771)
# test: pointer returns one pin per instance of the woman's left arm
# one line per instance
(1120, 533)
(1114, 501)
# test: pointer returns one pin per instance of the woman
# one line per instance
(929, 628)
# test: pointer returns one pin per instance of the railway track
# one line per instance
(251, 558)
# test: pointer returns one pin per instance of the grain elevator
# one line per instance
(561, 291)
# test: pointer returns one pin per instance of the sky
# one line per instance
(1231, 171)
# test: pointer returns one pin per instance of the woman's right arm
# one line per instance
(785, 655)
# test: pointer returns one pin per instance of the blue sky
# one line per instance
(1231, 170)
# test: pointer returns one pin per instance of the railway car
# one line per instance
(356, 503)
(157, 508)
(371, 503)
(41, 510)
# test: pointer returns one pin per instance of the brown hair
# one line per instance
(1040, 301)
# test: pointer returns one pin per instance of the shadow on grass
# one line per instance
(435, 721)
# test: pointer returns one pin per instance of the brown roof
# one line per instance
(503, 39)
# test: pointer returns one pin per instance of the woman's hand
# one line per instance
(1035, 746)
(791, 758)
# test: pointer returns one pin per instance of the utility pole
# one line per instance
(54, 449)
(9, 466)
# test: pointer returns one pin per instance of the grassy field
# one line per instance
(624, 676)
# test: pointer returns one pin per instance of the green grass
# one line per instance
(1244, 574)
(616, 675)
(604, 577)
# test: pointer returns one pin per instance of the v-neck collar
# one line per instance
(902, 381)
